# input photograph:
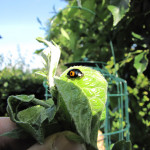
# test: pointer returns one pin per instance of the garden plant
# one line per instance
(75, 109)
(85, 30)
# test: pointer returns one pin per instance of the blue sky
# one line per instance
(19, 27)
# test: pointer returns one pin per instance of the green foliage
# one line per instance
(118, 8)
(141, 62)
(122, 145)
(78, 25)
(51, 56)
(84, 30)
(83, 98)
(87, 34)
(72, 100)
(32, 115)
(16, 81)
(77, 98)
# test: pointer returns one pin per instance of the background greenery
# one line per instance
(85, 28)
(84, 33)
(15, 81)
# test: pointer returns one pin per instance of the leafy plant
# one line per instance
(16, 81)
(78, 100)
(87, 35)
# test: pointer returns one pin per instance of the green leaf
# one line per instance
(65, 34)
(41, 73)
(103, 115)
(83, 98)
(24, 98)
(141, 62)
(73, 41)
(42, 40)
(38, 51)
(118, 8)
(116, 14)
(51, 56)
(31, 114)
(122, 145)
(137, 36)
(89, 10)
(34, 116)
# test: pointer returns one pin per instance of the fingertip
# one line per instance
(6, 125)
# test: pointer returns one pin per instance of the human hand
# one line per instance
(7, 143)
(55, 141)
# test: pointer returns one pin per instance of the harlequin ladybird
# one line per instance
(74, 73)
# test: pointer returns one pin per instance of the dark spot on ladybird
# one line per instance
(74, 73)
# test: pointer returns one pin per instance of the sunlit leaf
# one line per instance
(137, 36)
(64, 33)
(83, 98)
(38, 51)
(118, 9)
(116, 14)
(51, 57)
(141, 62)
(41, 73)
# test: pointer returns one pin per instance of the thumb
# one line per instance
(58, 141)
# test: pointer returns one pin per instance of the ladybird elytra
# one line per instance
(74, 73)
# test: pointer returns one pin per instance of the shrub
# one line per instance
(16, 81)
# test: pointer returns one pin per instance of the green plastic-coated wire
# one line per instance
(76, 7)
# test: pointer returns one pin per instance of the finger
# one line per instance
(7, 125)
(58, 141)
(62, 143)
(38, 147)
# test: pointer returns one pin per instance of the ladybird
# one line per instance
(74, 73)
